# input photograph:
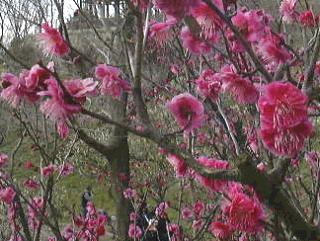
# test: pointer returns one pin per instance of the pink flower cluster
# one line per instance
(283, 117)
(161, 209)
(12, 220)
(57, 107)
(38, 82)
(253, 24)
(35, 210)
(308, 19)
(193, 43)
(111, 81)
(134, 231)
(242, 89)
(289, 14)
(15, 89)
(209, 85)
(176, 231)
(89, 228)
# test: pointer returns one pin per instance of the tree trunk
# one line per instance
(119, 160)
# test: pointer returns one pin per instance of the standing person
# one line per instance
(85, 198)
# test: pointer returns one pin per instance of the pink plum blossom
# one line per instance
(133, 216)
(283, 104)
(129, 193)
(253, 24)
(221, 230)
(240, 88)
(288, 141)
(244, 213)
(3, 159)
(187, 110)
(52, 41)
(134, 231)
(161, 209)
(15, 89)
(81, 88)
(193, 43)
(288, 10)
(31, 184)
(209, 21)
(308, 19)
(34, 208)
(112, 82)
(209, 85)
(48, 170)
(175, 8)
(66, 169)
(261, 167)
(37, 75)
(197, 224)
(56, 107)
(7, 195)
(28, 165)
(198, 208)
(283, 116)
(162, 33)
(272, 49)
(186, 213)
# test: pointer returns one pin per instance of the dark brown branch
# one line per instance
(103, 149)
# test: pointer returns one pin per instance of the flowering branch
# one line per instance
(307, 85)
(245, 44)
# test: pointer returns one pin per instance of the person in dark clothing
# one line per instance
(144, 221)
(85, 198)
(162, 228)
